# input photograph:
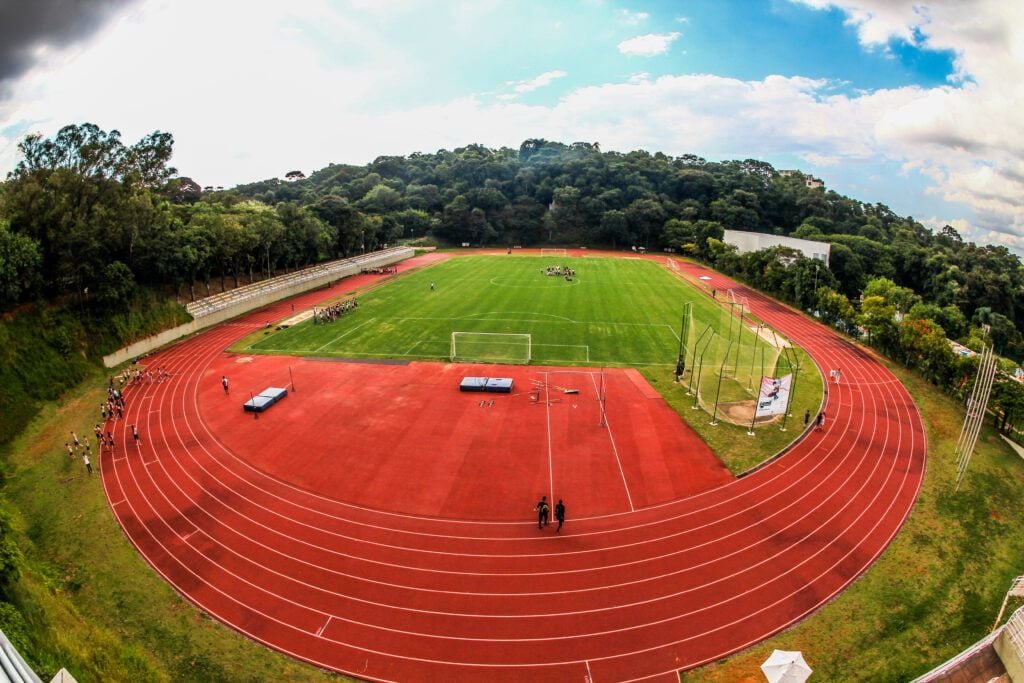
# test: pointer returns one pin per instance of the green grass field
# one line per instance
(614, 312)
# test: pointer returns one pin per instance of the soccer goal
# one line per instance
(490, 347)
(553, 252)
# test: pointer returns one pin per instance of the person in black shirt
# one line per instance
(542, 512)
(560, 514)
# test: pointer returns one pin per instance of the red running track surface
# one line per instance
(621, 594)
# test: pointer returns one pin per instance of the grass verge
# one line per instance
(938, 586)
(89, 602)
(730, 442)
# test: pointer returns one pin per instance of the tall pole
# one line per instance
(700, 371)
(739, 341)
(718, 391)
(683, 329)
(693, 360)
(753, 357)
(816, 266)
(290, 378)
(750, 432)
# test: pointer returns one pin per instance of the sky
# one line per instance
(915, 104)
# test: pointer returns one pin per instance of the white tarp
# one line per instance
(786, 667)
(773, 398)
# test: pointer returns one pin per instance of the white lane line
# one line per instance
(344, 334)
(615, 450)
(547, 409)
(324, 627)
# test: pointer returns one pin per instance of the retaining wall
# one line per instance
(231, 304)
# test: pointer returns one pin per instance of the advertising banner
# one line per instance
(774, 396)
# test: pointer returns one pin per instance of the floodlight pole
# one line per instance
(718, 391)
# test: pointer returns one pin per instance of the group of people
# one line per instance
(835, 375)
(560, 271)
(80, 448)
(334, 311)
(140, 375)
(380, 270)
(819, 421)
(113, 407)
(544, 510)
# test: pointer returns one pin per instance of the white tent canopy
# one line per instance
(786, 667)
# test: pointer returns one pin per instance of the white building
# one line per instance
(756, 241)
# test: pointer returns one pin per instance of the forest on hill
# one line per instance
(94, 223)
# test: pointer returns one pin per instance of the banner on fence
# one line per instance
(774, 396)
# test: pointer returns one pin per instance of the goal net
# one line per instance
(553, 252)
(490, 347)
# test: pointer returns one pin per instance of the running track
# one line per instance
(631, 596)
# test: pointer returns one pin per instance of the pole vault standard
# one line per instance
(976, 407)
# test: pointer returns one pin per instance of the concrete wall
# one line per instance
(221, 307)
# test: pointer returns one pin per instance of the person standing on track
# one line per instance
(135, 435)
(819, 422)
(542, 512)
(560, 515)
(224, 382)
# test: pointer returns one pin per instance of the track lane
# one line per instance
(640, 591)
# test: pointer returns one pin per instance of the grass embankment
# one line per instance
(47, 349)
(90, 603)
(937, 588)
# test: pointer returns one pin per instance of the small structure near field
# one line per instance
(493, 385)
(265, 399)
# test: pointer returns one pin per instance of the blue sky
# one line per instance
(894, 101)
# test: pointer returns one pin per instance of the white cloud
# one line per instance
(633, 18)
(249, 93)
(820, 159)
(540, 81)
(969, 140)
(648, 45)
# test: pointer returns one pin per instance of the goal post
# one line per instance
(490, 347)
(553, 252)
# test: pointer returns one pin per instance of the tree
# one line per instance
(879, 318)
(20, 263)
(835, 309)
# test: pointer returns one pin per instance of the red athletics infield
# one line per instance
(376, 522)
(404, 438)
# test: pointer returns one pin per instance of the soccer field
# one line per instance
(615, 311)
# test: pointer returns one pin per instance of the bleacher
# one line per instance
(340, 268)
